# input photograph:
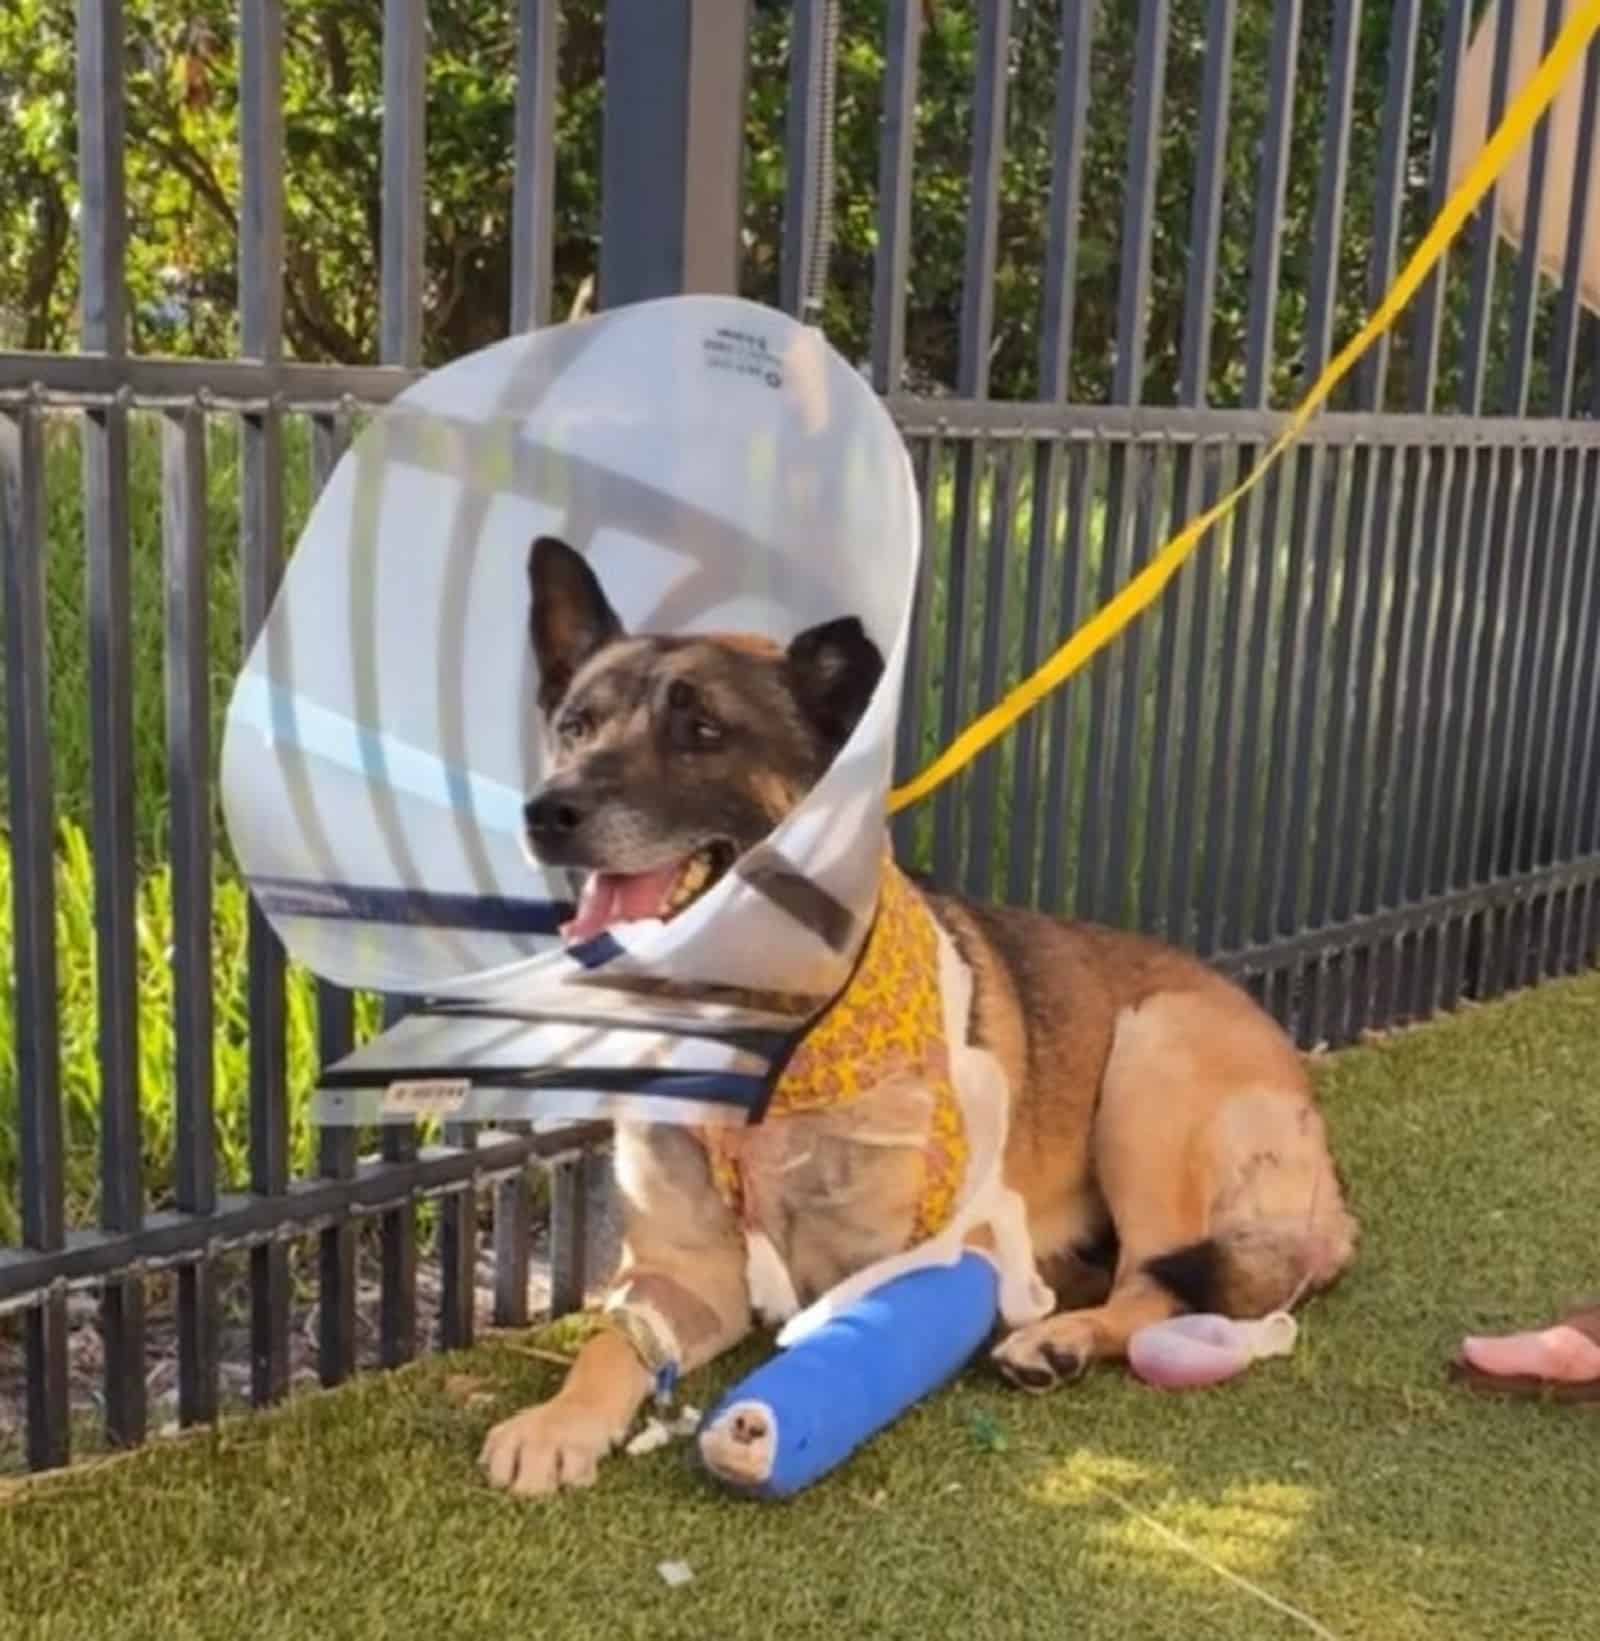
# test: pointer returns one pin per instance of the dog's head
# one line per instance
(670, 757)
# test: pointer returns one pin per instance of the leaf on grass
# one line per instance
(988, 1433)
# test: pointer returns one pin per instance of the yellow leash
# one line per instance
(1142, 591)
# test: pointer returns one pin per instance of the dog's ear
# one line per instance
(570, 617)
(832, 671)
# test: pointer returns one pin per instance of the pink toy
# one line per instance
(1190, 1351)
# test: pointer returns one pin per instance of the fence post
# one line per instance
(672, 151)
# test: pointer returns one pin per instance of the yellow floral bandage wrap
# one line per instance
(888, 1023)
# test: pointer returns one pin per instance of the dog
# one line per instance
(1163, 1135)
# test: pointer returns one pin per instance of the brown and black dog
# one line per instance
(1163, 1132)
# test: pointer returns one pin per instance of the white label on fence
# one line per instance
(432, 1097)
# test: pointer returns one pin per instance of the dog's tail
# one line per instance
(1257, 1266)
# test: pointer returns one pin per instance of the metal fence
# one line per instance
(1350, 757)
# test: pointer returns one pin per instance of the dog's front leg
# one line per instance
(680, 1299)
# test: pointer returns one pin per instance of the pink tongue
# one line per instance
(618, 897)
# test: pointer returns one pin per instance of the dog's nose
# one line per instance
(552, 817)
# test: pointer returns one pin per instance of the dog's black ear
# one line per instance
(570, 617)
(833, 670)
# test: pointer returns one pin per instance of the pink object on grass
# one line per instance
(1188, 1352)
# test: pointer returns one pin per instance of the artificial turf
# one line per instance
(1350, 1481)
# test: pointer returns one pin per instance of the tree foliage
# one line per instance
(183, 181)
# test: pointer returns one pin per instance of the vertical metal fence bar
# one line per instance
(1053, 868)
(988, 150)
(916, 685)
(1055, 385)
(1023, 830)
(1291, 761)
(1372, 493)
(1416, 604)
(1340, 770)
(1475, 343)
(955, 693)
(404, 150)
(569, 1231)
(1229, 747)
(1513, 555)
(1230, 815)
(1564, 339)
(1531, 565)
(1563, 362)
(336, 1243)
(896, 156)
(672, 150)
(1102, 884)
(458, 1252)
(1578, 769)
(1525, 297)
(1422, 385)
(1342, 764)
(1561, 747)
(1492, 482)
(1372, 474)
(1487, 550)
(1469, 504)
(1128, 780)
(533, 203)
(101, 138)
(1427, 305)
(30, 823)
(1528, 816)
(1538, 571)
(1297, 684)
(1533, 821)
(803, 151)
(188, 714)
(397, 1239)
(336, 1143)
(513, 1238)
(1438, 588)
(1439, 744)
(1358, 824)
(981, 874)
(1586, 839)
(1059, 298)
(1189, 602)
(972, 382)
(261, 551)
(1373, 372)
(1188, 811)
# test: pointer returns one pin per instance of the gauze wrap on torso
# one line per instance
(889, 1065)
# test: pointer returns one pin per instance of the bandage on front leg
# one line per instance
(807, 1409)
(654, 1340)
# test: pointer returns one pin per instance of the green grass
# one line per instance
(1351, 1481)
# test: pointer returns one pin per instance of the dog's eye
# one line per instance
(574, 726)
(706, 733)
(680, 695)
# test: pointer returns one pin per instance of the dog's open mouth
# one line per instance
(609, 898)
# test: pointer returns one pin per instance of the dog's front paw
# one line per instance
(546, 1447)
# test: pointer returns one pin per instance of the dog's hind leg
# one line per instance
(1211, 1160)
